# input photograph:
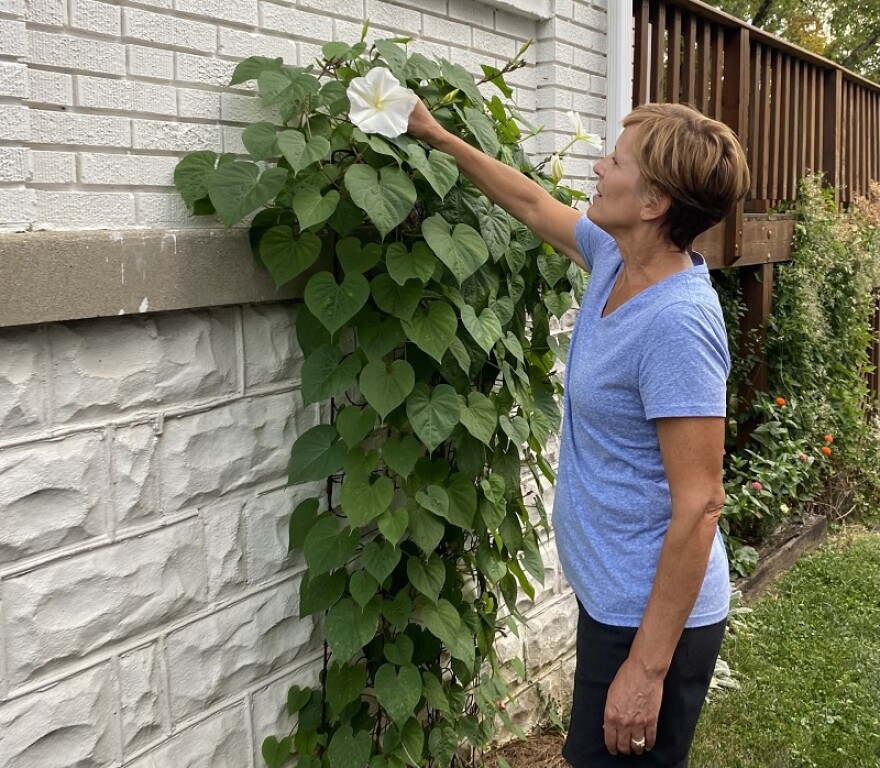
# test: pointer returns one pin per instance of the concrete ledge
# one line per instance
(57, 276)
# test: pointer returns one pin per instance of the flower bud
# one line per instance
(556, 170)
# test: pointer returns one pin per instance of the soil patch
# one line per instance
(540, 750)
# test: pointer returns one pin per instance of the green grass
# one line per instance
(809, 666)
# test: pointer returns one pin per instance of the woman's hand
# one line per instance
(631, 710)
(423, 125)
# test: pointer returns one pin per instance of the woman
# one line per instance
(640, 471)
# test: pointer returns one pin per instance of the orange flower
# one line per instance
(829, 438)
(780, 401)
(826, 451)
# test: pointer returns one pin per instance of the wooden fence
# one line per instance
(794, 112)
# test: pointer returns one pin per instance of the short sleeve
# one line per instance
(591, 240)
(684, 368)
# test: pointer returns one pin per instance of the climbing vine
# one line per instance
(428, 332)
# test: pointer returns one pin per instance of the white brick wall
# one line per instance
(146, 594)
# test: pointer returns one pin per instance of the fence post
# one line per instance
(735, 113)
(831, 130)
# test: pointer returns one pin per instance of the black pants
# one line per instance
(601, 650)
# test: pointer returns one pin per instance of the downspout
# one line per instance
(619, 78)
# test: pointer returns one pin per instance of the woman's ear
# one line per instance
(655, 205)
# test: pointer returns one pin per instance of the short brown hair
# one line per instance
(696, 161)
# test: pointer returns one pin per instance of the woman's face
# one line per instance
(616, 205)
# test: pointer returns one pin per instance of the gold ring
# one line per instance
(638, 742)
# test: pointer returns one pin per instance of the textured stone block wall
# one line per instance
(147, 602)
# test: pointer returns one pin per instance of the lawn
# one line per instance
(809, 666)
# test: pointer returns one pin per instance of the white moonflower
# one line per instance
(580, 134)
(380, 104)
(556, 170)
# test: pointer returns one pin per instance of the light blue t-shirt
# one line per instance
(662, 353)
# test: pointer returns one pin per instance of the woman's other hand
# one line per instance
(631, 710)
(423, 125)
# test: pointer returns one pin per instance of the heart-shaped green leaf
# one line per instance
(483, 130)
(478, 415)
(484, 328)
(495, 228)
(316, 454)
(393, 524)
(490, 563)
(516, 428)
(378, 335)
(400, 652)
(460, 354)
(552, 267)
(299, 151)
(398, 691)
(363, 587)
(259, 140)
(558, 303)
(326, 374)
(311, 207)
(438, 168)
(398, 610)
(404, 265)
(355, 257)
(516, 287)
(286, 255)
(297, 698)
(432, 329)
(412, 743)
(275, 752)
(363, 501)
(386, 197)
(493, 489)
(503, 309)
(345, 684)
(461, 249)
(433, 413)
(515, 256)
(385, 386)
(252, 67)
(398, 300)
(354, 424)
(462, 501)
(327, 547)
(426, 530)
(310, 334)
(443, 621)
(191, 175)
(303, 517)
(514, 347)
(335, 304)
(348, 627)
(427, 577)
(238, 188)
(434, 499)
(380, 558)
(319, 591)
(349, 750)
(400, 454)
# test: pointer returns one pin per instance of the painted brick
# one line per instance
(268, 704)
(64, 610)
(190, 68)
(47, 87)
(14, 164)
(13, 80)
(175, 137)
(14, 37)
(446, 30)
(220, 741)
(496, 45)
(13, 7)
(429, 49)
(232, 139)
(225, 543)
(472, 13)
(280, 18)
(393, 16)
(125, 96)
(516, 26)
(240, 44)
(165, 29)
(76, 53)
(19, 207)
(83, 210)
(237, 108)
(54, 167)
(267, 517)
(596, 18)
(353, 9)
(240, 11)
(103, 18)
(72, 723)
(50, 127)
(552, 631)
(106, 367)
(192, 102)
(238, 445)
(167, 211)
(136, 170)
(52, 493)
(22, 391)
(135, 476)
(51, 12)
(271, 354)
(218, 656)
(144, 61)
(15, 123)
(143, 698)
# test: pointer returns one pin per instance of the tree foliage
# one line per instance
(845, 31)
